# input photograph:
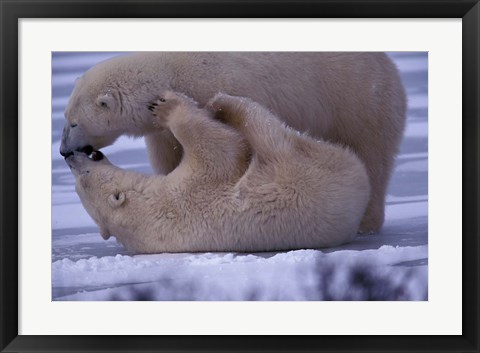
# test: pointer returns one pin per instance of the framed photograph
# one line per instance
(71, 282)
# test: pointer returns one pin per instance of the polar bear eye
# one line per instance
(73, 125)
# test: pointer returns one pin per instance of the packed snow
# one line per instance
(392, 265)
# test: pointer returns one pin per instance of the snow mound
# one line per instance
(388, 273)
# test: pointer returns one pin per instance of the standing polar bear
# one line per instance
(246, 183)
(353, 99)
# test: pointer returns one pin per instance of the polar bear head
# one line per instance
(110, 100)
(98, 186)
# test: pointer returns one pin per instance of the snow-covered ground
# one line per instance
(392, 265)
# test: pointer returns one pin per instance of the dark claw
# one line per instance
(161, 99)
(151, 108)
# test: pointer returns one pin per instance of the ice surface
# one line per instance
(392, 265)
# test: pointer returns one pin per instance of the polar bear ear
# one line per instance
(106, 100)
(117, 199)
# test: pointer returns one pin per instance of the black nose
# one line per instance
(97, 156)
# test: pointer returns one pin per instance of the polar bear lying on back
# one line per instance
(246, 183)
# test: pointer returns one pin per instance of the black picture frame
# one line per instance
(11, 11)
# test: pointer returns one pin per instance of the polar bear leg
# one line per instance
(208, 145)
(375, 213)
(266, 135)
(164, 151)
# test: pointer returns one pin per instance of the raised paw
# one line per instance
(222, 101)
(230, 109)
(153, 106)
(165, 107)
(161, 109)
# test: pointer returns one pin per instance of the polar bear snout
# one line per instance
(75, 160)
(78, 161)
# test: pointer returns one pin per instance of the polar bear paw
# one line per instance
(164, 108)
(231, 110)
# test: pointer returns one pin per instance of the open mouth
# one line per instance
(86, 149)
(96, 156)
(92, 154)
(89, 151)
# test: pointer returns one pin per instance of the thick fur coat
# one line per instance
(353, 99)
(246, 182)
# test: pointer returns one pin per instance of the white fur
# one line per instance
(246, 183)
(354, 99)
